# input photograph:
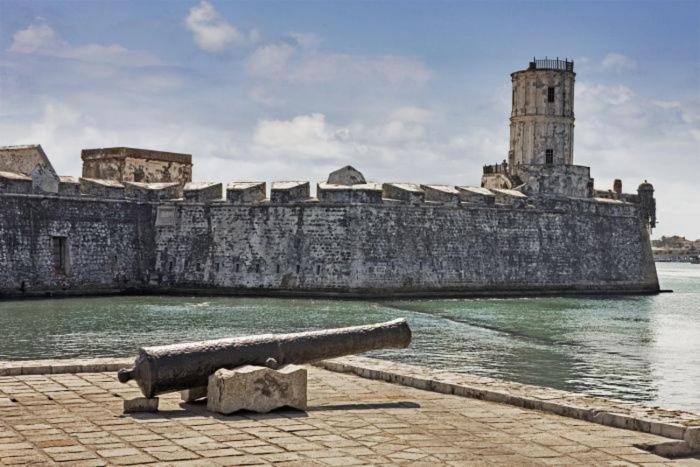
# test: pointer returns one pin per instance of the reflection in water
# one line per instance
(635, 348)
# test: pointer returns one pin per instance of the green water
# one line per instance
(635, 348)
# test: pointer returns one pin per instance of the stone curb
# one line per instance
(47, 367)
(449, 383)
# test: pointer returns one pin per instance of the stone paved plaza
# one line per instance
(77, 419)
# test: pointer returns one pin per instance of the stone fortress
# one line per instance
(136, 223)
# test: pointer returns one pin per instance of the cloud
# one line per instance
(40, 39)
(271, 61)
(212, 32)
(262, 95)
(297, 60)
(617, 63)
(619, 132)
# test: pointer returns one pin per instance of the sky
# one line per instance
(414, 91)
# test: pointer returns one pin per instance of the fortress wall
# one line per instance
(317, 248)
(108, 244)
(402, 249)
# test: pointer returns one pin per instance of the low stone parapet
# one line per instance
(102, 188)
(11, 182)
(407, 192)
(476, 195)
(202, 192)
(152, 191)
(362, 193)
(441, 194)
(245, 192)
(68, 186)
(288, 192)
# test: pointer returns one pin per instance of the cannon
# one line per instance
(176, 367)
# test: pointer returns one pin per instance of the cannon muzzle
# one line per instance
(168, 368)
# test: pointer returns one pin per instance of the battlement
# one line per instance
(521, 188)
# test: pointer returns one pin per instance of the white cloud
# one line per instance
(307, 40)
(297, 60)
(262, 95)
(212, 32)
(617, 63)
(413, 114)
(271, 61)
(621, 134)
(40, 39)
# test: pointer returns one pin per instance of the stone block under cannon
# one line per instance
(177, 367)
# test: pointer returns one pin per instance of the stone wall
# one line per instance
(399, 249)
(308, 247)
(108, 245)
(555, 180)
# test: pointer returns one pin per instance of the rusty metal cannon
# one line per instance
(168, 368)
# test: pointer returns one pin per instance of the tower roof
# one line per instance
(551, 64)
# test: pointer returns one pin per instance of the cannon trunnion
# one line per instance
(168, 368)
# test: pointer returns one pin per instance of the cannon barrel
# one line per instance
(167, 368)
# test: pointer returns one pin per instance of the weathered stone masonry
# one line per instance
(402, 249)
(308, 247)
(110, 244)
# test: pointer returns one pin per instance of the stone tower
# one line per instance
(542, 117)
(541, 156)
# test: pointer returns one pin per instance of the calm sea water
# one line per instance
(635, 348)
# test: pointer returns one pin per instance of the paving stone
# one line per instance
(350, 421)
(141, 404)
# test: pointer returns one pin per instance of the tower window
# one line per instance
(550, 94)
(549, 156)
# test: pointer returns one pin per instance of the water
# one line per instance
(635, 348)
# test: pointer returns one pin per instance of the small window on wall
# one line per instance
(550, 94)
(59, 254)
(549, 157)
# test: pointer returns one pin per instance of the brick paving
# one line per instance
(77, 419)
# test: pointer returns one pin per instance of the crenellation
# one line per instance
(152, 191)
(102, 188)
(289, 192)
(406, 192)
(246, 192)
(509, 197)
(363, 193)
(476, 195)
(12, 182)
(202, 192)
(443, 194)
(68, 186)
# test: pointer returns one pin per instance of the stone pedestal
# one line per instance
(257, 388)
(141, 404)
(193, 394)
